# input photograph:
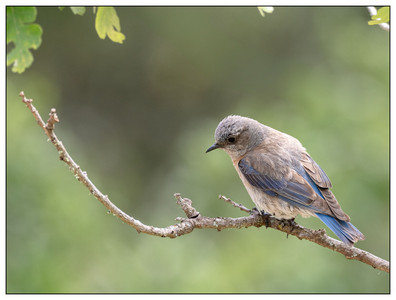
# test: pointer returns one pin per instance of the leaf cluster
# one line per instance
(25, 35)
(382, 16)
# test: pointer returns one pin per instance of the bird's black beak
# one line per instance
(213, 147)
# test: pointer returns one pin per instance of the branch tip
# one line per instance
(24, 99)
(186, 206)
(52, 119)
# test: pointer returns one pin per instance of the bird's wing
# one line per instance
(294, 186)
(315, 172)
(291, 186)
(323, 183)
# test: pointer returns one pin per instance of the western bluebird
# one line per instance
(280, 176)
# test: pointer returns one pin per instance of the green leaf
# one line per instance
(108, 23)
(382, 16)
(265, 9)
(78, 10)
(24, 36)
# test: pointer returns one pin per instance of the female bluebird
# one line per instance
(280, 176)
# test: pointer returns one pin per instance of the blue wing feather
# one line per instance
(295, 193)
(347, 233)
(299, 195)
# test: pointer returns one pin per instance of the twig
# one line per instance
(373, 11)
(240, 206)
(194, 218)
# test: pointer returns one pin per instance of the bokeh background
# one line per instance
(138, 118)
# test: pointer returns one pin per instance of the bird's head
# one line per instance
(236, 135)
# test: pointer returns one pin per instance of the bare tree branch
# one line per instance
(194, 218)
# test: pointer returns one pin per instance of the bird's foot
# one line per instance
(255, 211)
(289, 222)
(264, 215)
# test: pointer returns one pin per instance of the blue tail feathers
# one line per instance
(347, 233)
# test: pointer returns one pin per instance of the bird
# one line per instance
(280, 176)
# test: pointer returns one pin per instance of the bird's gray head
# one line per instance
(236, 135)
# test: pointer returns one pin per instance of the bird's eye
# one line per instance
(231, 139)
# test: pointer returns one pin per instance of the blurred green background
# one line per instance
(138, 118)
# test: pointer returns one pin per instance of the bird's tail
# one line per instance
(348, 233)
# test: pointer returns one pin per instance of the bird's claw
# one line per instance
(289, 222)
(266, 217)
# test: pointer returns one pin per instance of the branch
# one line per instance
(194, 218)
(373, 12)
